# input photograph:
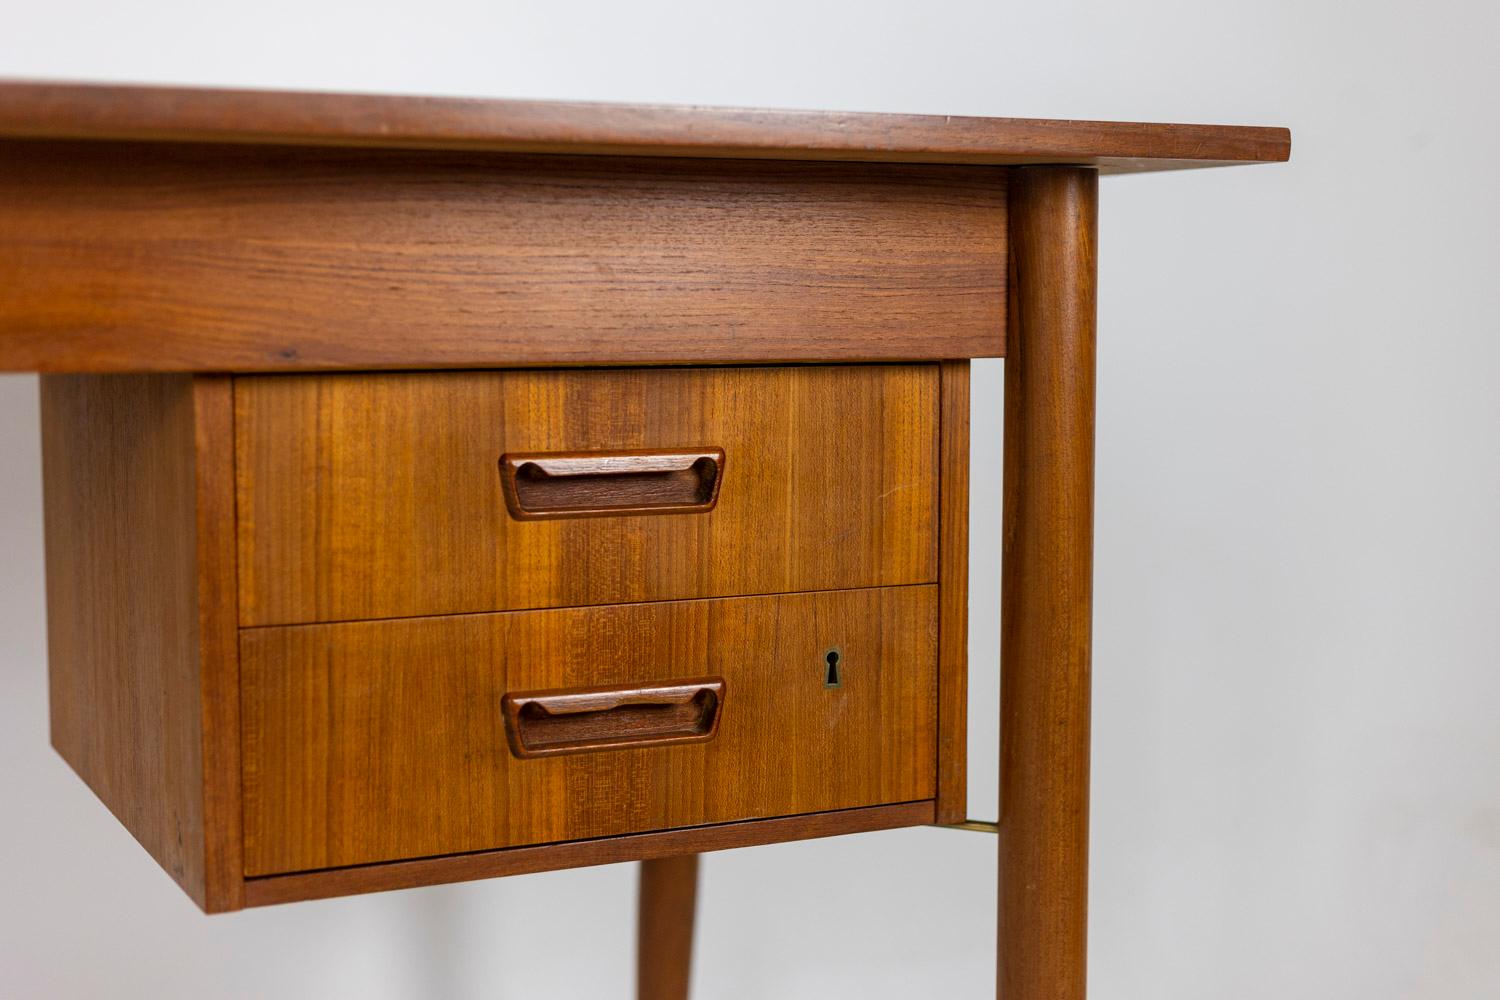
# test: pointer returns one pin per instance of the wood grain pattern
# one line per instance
(141, 627)
(182, 258)
(374, 496)
(374, 741)
(664, 934)
(81, 111)
(953, 600)
(1047, 586)
(276, 889)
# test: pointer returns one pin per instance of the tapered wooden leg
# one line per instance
(1046, 591)
(668, 899)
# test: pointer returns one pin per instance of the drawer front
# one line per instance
(384, 495)
(374, 741)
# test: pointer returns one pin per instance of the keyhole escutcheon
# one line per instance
(833, 669)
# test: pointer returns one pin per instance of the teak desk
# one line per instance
(442, 489)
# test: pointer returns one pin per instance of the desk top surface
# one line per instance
(74, 111)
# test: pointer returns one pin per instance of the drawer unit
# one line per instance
(407, 627)
(383, 495)
(375, 741)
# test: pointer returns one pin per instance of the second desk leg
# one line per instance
(668, 903)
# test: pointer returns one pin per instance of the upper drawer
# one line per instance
(382, 495)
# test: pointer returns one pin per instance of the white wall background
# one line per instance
(1297, 760)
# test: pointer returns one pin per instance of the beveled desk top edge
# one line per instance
(88, 111)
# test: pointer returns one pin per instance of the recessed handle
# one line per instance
(586, 720)
(611, 483)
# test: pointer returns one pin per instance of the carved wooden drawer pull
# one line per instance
(584, 720)
(611, 483)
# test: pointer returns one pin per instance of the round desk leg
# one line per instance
(1046, 590)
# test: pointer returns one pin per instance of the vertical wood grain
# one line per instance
(664, 945)
(141, 613)
(953, 590)
(381, 740)
(1046, 598)
(379, 495)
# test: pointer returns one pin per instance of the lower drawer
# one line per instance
(382, 740)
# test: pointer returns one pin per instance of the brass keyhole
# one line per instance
(832, 676)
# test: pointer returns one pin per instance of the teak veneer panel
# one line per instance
(232, 258)
(379, 495)
(82, 111)
(376, 741)
(141, 615)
